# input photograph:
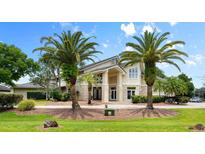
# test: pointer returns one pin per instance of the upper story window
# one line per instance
(133, 73)
(99, 78)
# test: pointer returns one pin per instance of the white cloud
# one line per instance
(190, 62)
(105, 45)
(129, 29)
(195, 59)
(90, 33)
(24, 79)
(69, 26)
(175, 46)
(128, 48)
(180, 45)
(162, 65)
(150, 27)
(172, 23)
(198, 58)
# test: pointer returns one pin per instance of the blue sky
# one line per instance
(112, 38)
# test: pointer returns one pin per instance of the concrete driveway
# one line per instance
(129, 106)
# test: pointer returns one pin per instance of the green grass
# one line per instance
(10, 122)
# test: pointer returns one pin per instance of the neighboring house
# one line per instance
(25, 88)
(4, 89)
(118, 83)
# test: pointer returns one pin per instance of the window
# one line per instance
(99, 78)
(130, 92)
(133, 73)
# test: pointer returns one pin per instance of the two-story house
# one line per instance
(118, 83)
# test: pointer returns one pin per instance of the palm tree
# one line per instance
(174, 86)
(152, 48)
(90, 79)
(70, 50)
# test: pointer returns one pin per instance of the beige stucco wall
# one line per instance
(24, 91)
(113, 81)
(3, 92)
(127, 80)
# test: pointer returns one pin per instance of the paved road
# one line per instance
(128, 106)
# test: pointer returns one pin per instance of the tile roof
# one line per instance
(4, 88)
(29, 85)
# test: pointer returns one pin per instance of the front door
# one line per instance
(113, 93)
(97, 93)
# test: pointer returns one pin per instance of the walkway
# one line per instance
(127, 106)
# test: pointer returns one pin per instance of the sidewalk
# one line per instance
(127, 106)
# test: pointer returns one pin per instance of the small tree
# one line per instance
(174, 86)
(43, 78)
(189, 84)
(90, 79)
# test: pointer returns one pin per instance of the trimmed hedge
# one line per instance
(36, 95)
(143, 99)
(182, 99)
(26, 105)
(139, 99)
(9, 100)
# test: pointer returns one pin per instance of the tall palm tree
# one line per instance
(70, 50)
(90, 79)
(152, 48)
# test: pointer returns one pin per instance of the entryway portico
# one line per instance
(110, 88)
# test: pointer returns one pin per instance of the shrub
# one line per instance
(182, 99)
(139, 99)
(57, 95)
(158, 99)
(143, 99)
(36, 95)
(9, 100)
(65, 97)
(26, 105)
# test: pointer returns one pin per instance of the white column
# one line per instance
(120, 88)
(105, 87)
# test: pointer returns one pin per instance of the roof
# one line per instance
(110, 67)
(96, 63)
(29, 85)
(4, 88)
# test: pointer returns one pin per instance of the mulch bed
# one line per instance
(98, 114)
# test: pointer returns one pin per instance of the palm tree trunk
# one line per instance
(149, 98)
(89, 93)
(75, 104)
(59, 78)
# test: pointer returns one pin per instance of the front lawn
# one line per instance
(10, 122)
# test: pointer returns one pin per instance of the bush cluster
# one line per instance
(182, 99)
(139, 99)
(143, 99)
(59, 96)
(9, 100)
(26, 105)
